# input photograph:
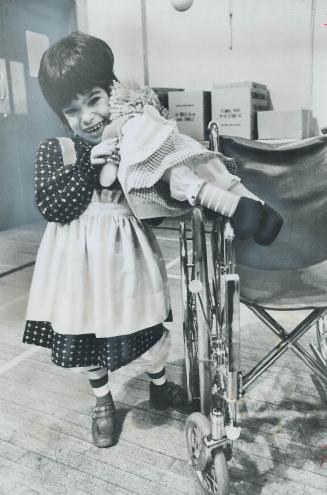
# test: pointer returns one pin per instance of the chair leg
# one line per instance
(310, 362)
(321, 331)
(288, 341)
(319, 357)
(317, 366)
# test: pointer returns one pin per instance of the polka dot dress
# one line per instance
(110, 353)
(63, 193)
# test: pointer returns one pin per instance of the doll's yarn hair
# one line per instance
(128, 99)
(74, 65)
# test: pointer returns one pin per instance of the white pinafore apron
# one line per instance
(102, 273)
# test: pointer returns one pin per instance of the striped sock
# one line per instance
(218, 200)
(158, 378)
(240, 190)
(99, 382)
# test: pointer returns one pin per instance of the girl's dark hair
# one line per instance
(73, 65)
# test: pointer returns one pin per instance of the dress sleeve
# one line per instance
(62, 192)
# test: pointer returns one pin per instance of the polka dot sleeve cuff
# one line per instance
(63, 192)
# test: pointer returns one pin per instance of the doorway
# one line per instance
(27, 28)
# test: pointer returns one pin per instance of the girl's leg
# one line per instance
(103, 418)
(99, 382)
(153, 361)
(163, 394)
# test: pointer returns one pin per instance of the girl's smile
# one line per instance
(88, 114)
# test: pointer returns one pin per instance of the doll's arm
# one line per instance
(187, 185)
(62, 192)
(249, 217)
(109, 171)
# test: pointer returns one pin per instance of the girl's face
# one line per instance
(88, 114)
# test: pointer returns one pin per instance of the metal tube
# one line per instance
(232, 320)
(203, 312)
(269, 321)
(281, 348)
(264, 364)
(306, 357)
(217, 424)
(315, 367)
(213, 128)
(278, 330)
(232, 386)
(318, 355)
(232, 410)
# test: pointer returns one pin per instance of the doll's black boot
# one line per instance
(269, 226)
(246, 218)
(103, 422)
(254, 219)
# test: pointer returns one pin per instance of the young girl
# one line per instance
(99, 293)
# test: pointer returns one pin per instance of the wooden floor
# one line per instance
(45, 441)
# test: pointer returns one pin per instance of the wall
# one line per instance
(272, 44)
(319, 88)
(118, 22)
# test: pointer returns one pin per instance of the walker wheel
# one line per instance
(210, 467)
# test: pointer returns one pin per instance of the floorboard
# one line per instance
(45, 439)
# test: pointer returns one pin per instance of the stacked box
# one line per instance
(315, 131)
(285, 124)
(162, 94)
(235, 107)
(192, 112)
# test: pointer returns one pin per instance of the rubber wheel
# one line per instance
(211, 469)
(189, 326)
(202, 310)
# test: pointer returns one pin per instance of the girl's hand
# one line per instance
(103, 151)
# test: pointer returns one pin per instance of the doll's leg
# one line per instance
(215, 188)
(240, 190)
(163, 394)
(218, 190)
(270, 222)
(103, 418)
(245, 213)
(249, 216)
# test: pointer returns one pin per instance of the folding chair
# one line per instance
(291, 274)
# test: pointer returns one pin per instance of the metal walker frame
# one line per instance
(211, 327)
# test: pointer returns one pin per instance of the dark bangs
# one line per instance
(73, 65)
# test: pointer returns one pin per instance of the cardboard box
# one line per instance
(315, 130)
(192, 112)
(241, 84)
(162, 94)
(259, 92)
(235, 106)
(285, 124)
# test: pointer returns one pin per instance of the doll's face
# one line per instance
(88, 114)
